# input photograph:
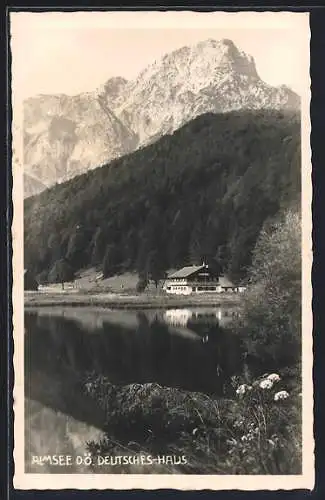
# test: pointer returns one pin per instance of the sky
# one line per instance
(77, 52)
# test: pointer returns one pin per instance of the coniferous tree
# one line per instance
(61, 272)
(111, 261)
(155, 267)
(98, 247)
(142, 283)
(76, 249)
(55, 247)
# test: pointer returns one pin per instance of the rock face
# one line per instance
(67, 135)
(32, 186)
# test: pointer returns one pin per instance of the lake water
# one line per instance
(186, 348)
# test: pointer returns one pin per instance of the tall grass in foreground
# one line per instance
(257, 431)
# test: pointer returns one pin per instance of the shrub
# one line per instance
(272, 307)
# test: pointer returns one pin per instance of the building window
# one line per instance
(193, 288)
(168, 288)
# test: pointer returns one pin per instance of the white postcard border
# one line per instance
(151, 482)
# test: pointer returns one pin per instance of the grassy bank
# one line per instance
(255, 430)
(118, 292)
(124, 301)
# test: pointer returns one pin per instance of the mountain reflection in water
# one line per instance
(184, 349)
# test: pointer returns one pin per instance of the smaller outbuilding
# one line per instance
(228, 286)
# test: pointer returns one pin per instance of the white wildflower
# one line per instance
(274, 377)
(266, 384)
(238, 423)
(244, 438)
(281, 395)
(242, 389)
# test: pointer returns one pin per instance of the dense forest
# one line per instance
(203, 192)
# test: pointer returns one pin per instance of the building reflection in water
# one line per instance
(185, 317)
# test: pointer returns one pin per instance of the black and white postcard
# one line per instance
(162, 250)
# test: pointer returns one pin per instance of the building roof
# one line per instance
(225, 282)
(186, 271)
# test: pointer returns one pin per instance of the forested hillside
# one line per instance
(203, 192)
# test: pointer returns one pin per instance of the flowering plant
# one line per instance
(274, 377)
(263, 428)
(281, 395)
(242, 389)
(266, 384)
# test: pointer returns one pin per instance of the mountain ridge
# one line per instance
(66, 135)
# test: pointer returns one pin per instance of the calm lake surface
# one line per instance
(188, 348)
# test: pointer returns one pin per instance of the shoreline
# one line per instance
(115, 301)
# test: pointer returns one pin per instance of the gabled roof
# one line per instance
(186, 271)
(225, 282)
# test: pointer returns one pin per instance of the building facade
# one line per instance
(198, 280)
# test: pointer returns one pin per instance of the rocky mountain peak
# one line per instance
(112, 89)
(210, 76)
(225, 56)
(67, 135)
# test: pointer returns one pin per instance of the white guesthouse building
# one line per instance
(198, 279)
